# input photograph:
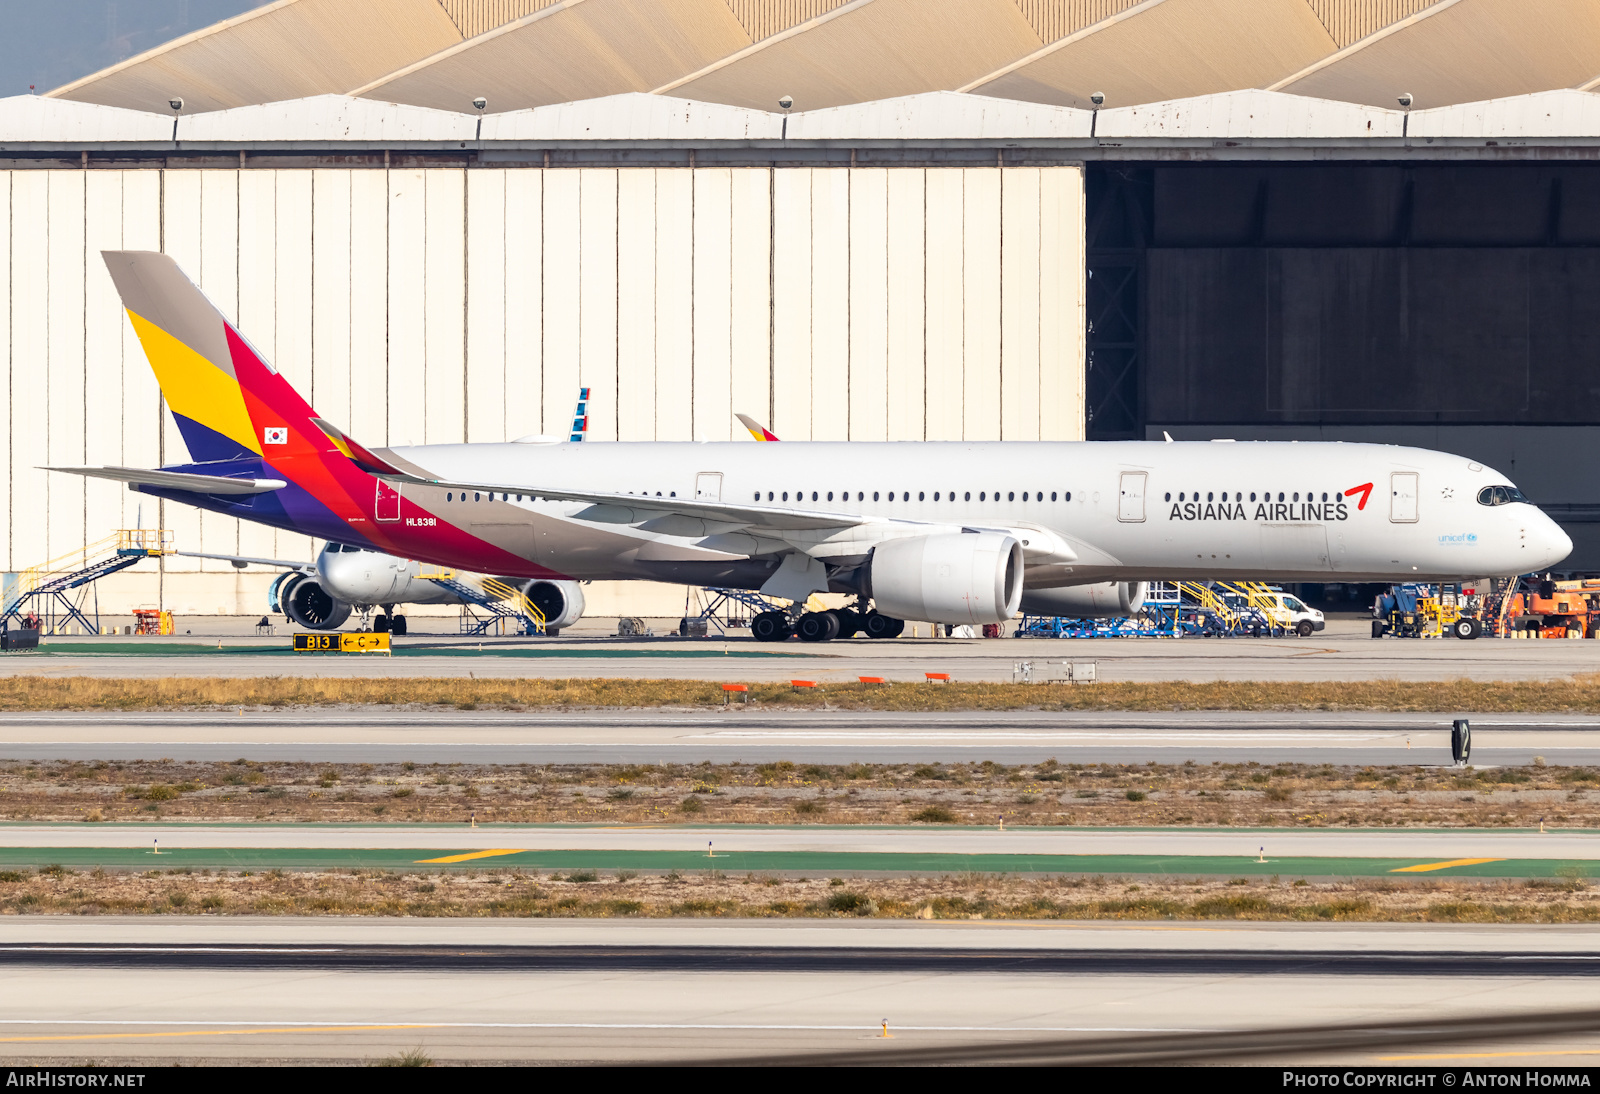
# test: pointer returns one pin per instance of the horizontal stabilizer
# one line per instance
(177, 480)
(359, 455)
(241, 561)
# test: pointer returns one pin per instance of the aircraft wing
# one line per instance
(241, 561)
(631, 508)
(177, 480)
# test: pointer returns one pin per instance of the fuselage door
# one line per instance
(1403, 497)
(386, 506)
(1130, 506)
(708, 486)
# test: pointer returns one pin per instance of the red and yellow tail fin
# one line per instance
(191, 348)
(757, 430)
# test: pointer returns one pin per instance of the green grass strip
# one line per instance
(821, 862)
(135, 649)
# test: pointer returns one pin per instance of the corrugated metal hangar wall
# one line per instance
(425, 305)
(1453, 306)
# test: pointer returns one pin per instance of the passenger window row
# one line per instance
(479, 496)
(905, 495)
(1238, 495)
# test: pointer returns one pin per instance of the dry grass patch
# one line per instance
(1192, 795)
(29, 693)
(588, 894)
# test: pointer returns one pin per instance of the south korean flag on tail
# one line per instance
(275, 434)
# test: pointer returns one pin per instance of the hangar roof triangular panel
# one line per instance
(1168, 49)
(328, 118)
(939, 115)
(286, 50)
(633, 117)
(868, 49)
(1349, 21)
(475, 17)
(1261, 115)
(33, 118)
(577, 49)
(1564, 113)
(1460, 51)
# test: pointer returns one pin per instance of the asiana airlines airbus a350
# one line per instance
(948, 532)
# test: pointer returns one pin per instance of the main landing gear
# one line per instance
(388, 622)
(775, 626)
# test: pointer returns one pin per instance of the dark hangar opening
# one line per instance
(1445, 305)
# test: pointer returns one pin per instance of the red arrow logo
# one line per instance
(1365, 490)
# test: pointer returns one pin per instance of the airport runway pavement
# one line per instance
(151, 991)
(665, 736)
(1345, 653)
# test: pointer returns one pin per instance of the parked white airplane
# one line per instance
(348, 579)
(961, 533)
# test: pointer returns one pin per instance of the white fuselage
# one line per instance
(369, 577)
(1085, 511)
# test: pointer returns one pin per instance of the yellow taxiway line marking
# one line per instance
(476, 854)
(1495, 1055)
(217, 1032)
(1425, 867)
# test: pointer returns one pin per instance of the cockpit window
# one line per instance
(1499, 495)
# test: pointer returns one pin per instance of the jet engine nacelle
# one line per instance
(961, 577)
(306, 602)
(560, 601)
(1105, 600)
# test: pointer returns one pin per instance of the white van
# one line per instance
(1304, 620)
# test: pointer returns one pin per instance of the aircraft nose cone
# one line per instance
(1559, 542)
(1551, 540)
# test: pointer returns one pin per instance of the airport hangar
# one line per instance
(944, 239)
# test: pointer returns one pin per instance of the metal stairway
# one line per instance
(44, 589)
(501, 603)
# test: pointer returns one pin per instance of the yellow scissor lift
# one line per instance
(1227, 618)
(1264, 600)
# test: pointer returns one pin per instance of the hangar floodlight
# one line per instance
(1405, 100)
(1097, 97)
(786, 101)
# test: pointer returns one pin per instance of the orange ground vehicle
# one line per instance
(1556, 609)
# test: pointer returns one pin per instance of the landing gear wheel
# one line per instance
(1466, 628)
(1378, 629)
(883, 626)
(849, 622)
(380, 624)
(817, 627)
(397, 624)
(770, 627)
(1304, 628)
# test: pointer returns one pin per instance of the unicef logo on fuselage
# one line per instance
(1459, 539)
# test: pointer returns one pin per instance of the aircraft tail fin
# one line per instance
(757, 430)
(580, 416)
(228, 401)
